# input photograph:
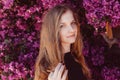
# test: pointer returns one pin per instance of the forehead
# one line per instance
(67, 16)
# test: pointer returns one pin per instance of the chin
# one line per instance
(71, 41)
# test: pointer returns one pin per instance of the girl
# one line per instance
(60, 55)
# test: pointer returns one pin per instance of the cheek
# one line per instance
(62, 35)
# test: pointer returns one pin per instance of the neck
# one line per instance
(66, 48)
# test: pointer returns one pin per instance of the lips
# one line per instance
(71, 35)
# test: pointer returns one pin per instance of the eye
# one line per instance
(61, 26)
(74, 23)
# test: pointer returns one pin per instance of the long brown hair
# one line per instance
(50, 53)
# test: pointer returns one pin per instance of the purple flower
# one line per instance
(7, 3)
(50, 3)
(1, 13)
(1, 54)
(21, 10)
(37, 26)
(101, 8)
(36, 45)
(97, 60)
(2, 33)
(20, 25)
(111, 73)
(3, 77)
(4, 23)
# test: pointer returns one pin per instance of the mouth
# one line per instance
(73, 35)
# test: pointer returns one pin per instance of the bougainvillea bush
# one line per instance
(100, 11)
(104, 60)
(20, 24)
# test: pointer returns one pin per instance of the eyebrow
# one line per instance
(64, 23)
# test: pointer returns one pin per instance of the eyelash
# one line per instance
(61, 26)
(71, 24)
(74, 23)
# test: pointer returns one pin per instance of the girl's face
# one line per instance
(68, 28)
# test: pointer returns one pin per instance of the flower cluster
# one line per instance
(94, 49)
(13, 70)
(100, 11)
(50, 3)
(20, 24)
(102, 60)
(111, 73)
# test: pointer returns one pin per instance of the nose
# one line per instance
(71, 29)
